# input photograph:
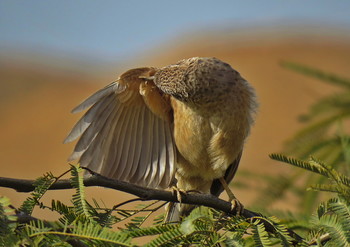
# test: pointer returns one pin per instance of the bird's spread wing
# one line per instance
(127, 134)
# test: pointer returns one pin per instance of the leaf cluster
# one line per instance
(330, 224)
(84, 224)
(324, 135)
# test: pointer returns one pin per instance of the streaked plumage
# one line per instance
(188, 120)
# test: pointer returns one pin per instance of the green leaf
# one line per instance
(79, 201)
(149, 231)
(316, 73)
(68, 213)
(88, 231)
(189, 225)
(332, 225)
(260, 235)
(234, 240)
(172, 237)
(282, 233)
(41, 184)
(314, 167)
(7, 223)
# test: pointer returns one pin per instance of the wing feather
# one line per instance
(122, 145)
(94, 156)
(122, 138)
(155, 154)
(138, 147)
(113, 142)
(148, 156)
(129, 149)
(98, 151)
(89, 127)
(86, 120)
(162, 154)
(145, 155)
(95, 128)
(170, 154)
(112, 88)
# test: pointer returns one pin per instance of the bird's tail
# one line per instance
(176, 211)
(172, 212)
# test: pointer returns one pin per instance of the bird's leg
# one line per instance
(237, 204)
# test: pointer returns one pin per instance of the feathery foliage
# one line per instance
(332, 218)
(87, 225)
(79, 201)
(42, 184)
(324, 136)
(7, 225)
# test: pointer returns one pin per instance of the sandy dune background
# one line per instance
(36, 99)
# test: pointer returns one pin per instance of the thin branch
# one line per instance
(323, 239)
(26, 185)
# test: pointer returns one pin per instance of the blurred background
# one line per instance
(54, 54)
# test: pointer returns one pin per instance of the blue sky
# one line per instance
(114, 29)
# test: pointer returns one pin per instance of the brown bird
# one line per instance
(185, 123)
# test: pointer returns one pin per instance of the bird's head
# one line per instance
(196, 80)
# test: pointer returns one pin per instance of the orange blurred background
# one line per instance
(36, 100)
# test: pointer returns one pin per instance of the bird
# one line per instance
(183, 125)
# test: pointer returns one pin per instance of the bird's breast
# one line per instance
(205, 148)
(192, 135)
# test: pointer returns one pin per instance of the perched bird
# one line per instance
(184, 124)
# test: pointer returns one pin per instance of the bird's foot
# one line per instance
(178, 192)
(237, 206)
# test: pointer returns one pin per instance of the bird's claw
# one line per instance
(237, 206)
(178, 192)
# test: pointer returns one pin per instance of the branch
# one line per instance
(26, 185)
